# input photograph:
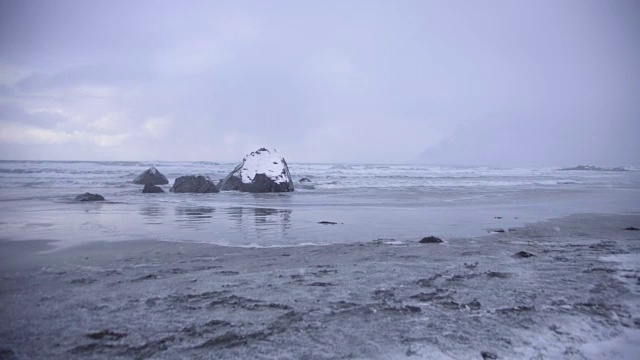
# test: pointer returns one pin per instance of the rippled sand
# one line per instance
(577, 297)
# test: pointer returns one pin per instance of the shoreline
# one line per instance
(161, 299)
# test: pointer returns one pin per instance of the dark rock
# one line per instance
(430, 240)
(412, 309)
(438, 294)
(327, 223)
(523, 254)
(631, 228)
(89, 197)
(150, 188)
(428, 282)
(451, 305)
(231, 339)
(488, 355)
(194, 184)
(305, 179)
(474, 304)
(497, 231)
(231, 182)
(152, 176)
(498, 275)
(260, 171)
(7, 354)
(384, 295)
(497, 217)
(106, 334)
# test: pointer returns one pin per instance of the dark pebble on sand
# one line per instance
(474, 304)
(430, 240)
(486, 355)
(8, 354)
(523, 254)
(498, 275)
(631, 228)
(106, 334)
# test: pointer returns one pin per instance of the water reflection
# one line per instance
(261, 219)
(224, 224)
(192, 216)
(153, 214)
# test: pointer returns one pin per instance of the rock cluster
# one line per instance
(261, 171)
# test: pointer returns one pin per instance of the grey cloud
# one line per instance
(95, 74)
(37, 117)
(496, 82)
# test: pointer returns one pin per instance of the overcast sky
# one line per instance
(443, 82)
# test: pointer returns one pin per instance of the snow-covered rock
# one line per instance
(151, 176)
(194, 184)
(260, 171)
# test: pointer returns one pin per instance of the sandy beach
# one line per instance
(576, 297)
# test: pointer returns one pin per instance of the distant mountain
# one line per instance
(595, 168)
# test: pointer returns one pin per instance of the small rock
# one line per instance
(474, 305)
(631, 228)
(497, 217)
(488, 355)
(305, 179)
(499, 275)
(327, 223)
(89, 197)
(150, 188)
(431, 240)
(106, 334)
(7, 353)
(523, 254)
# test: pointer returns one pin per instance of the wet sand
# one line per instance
(577, 297)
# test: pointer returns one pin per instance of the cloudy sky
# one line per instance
(509, 82)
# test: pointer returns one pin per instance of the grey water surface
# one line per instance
(366, 201)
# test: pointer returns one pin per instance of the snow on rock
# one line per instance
(260, 171)
(152, 176)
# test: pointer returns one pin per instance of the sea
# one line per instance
(362, 202)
